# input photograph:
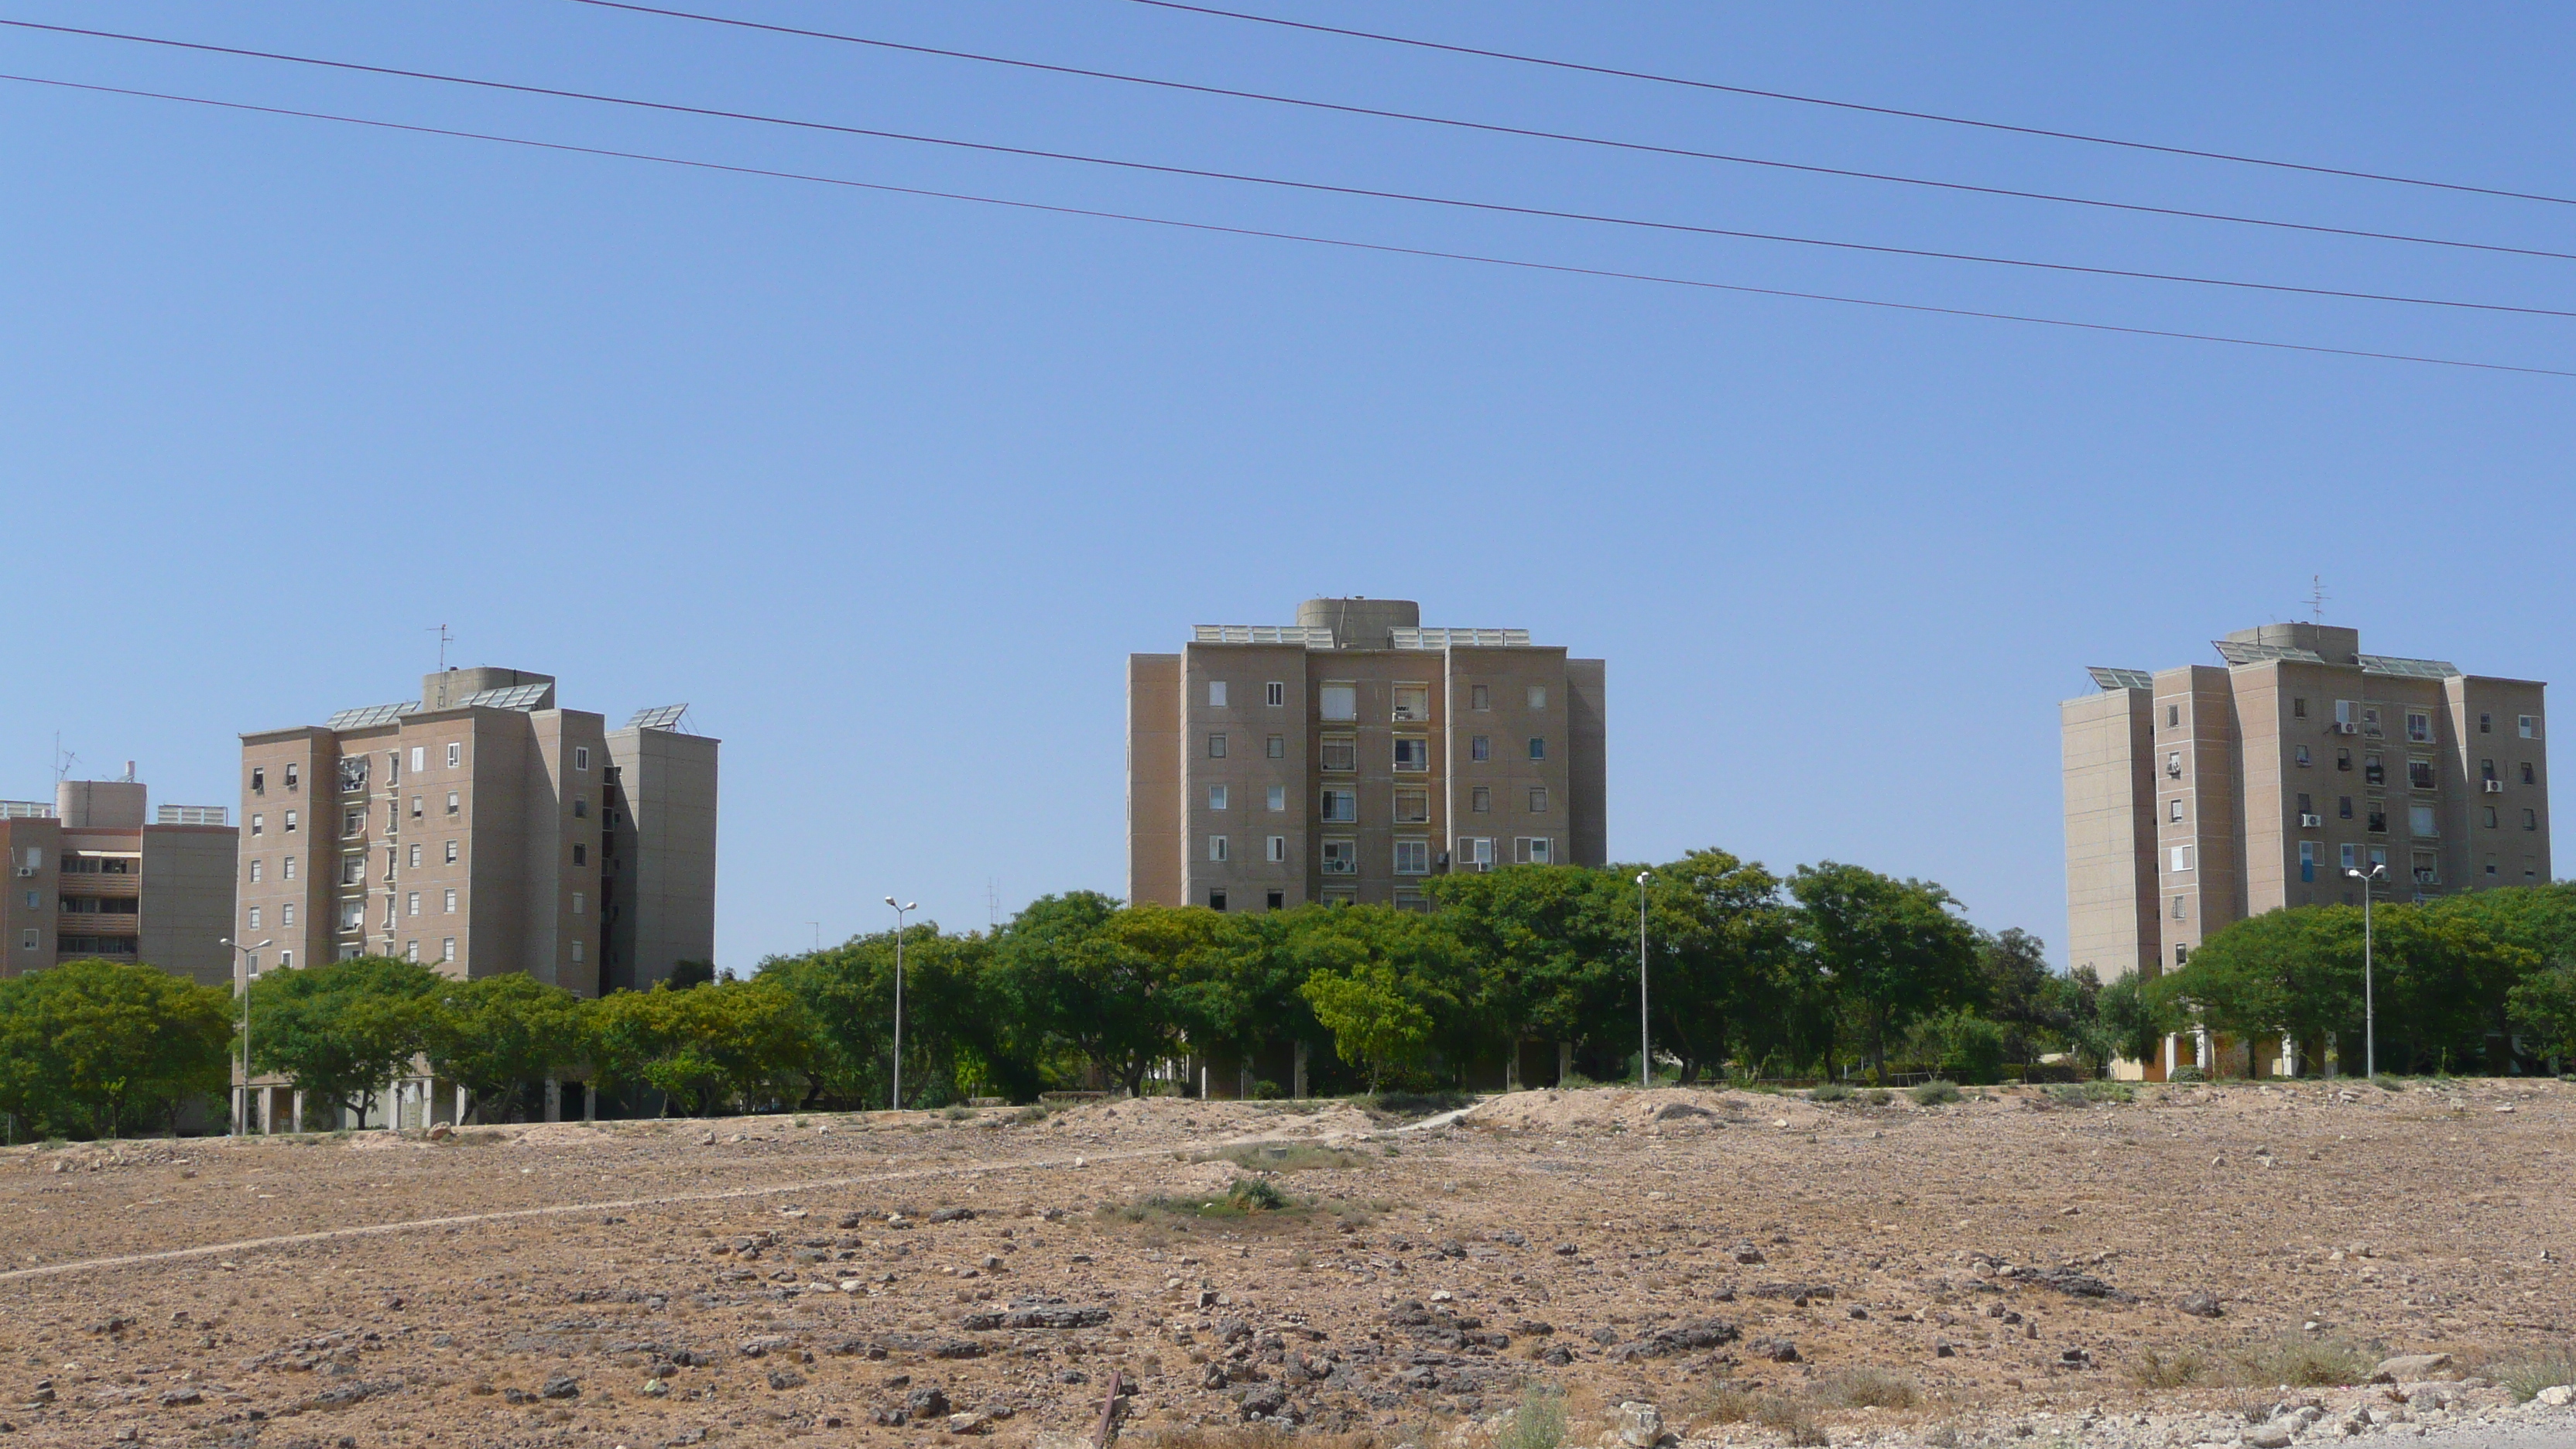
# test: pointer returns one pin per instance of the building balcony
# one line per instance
(106, 887)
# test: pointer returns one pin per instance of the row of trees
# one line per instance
(1827, 970)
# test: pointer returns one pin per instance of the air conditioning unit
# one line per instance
(26, 872)
(2311, 822)
(2495, 787)
(2346, 727)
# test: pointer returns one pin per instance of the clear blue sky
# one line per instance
(888, 488)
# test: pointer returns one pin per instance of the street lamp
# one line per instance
(1645, 1036)
(241, 1103)
(898, 995)
(2369, 1008)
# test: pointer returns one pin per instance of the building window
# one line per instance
(2531, 820)
(294, 776)
(1216, 747)
(1274, 900)
(286, 914)
(353, 870)
(2179, 909)
(2486, 769)
(2528, 725)
(2419, 727)
(2489, 818)
(258, 824)
(451, 903)
(1413, 857)
(1538, 696)
(2370, 721)
(2173, 764)
(352, 822)
(1480, 800)
(1478, 697)
(1412, 753)
(2301, 756)
(580, 758)
(290, 822)
(1216, 694)
(581, 804)
(2181, 953)
(411, 950)
(580, 854)
(1276, 747)
(286, 868)
(2298, 708)
(451, 852)
(1275, 849)
(254, 872)
(2376, 817)
(27, 940)
(411, 904)
(1216, 797)
(258, 780)
(1341, 806)
(2307, 810)
(2173, 811)
(455, 755)
(2491, 866)
(1338, 701)
(2307, 860)
(2419, 821)
(2526, 772)
(1480, 748)
(1412, 703)
(2181, 859)
(1340, 752)
(2343, 807)
(411, 857)
(2372, 771)
(577, 903)
(453, 802)
(254, 918)
(2486, 726)
(419, 758)
(576, 952)
(1278, 798)
(2348, 852)
(415, 807)
(1216, 847)
(1538, 800)
(1412, 807)
(2428, 868)
(2419, 774)
(1475, 852)
(1533, 850)
(2343, 759)
(1537, 748)
(1274, 694)
(1216, 898)
(1341, 857)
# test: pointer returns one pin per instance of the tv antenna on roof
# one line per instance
(2317, 598)
(444, 639)
(63, 759)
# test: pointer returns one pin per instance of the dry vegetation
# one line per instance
(1762, 1268)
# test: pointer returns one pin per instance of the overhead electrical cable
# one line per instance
(1574, 138)
(1319, 187)
(1769, 95)
(1516, 263)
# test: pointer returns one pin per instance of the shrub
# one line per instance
(1934, 1093)
(1830, 1092)
(2153, 1370)
(1788, 1420)
(2526, 1377)
(1877, 1097)
(2387, 1083)
(2302, 1362)
(1254, 1195)
(1867, 1388)
(2066, 1096)
(1281, 1156)
(1539, 1423)
(1728, 1406)
(1267, 1091)
(2188, 1074)
(2110, 1092)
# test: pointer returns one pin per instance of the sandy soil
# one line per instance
(2012, 1260)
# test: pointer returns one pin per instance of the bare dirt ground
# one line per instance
(2013, 1266)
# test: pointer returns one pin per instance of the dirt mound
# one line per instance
(1625, 1109)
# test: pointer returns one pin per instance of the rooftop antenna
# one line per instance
(444, 639)
(2317, 598)
(818, 936)
(993, 901)
(63, 759)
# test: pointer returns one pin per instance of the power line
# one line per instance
(1518, 263)
(1672, 80)
(1531, 133)
(1327, 188)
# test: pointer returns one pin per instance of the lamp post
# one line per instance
(2369, 1007)
(1645, 1034)
(241, 972)
(899, 912)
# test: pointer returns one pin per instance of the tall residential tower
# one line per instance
(89, 877)
(1353, 755)
(2199, 796)
(485, 830)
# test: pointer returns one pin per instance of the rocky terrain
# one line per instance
(1758, 1269)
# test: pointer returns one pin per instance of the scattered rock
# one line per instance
(1640, 1425)
(1745, 1252)
(2201, 1305)
(786, 1378)
(561, 1386)
(2407, 1368)
(930, 1401)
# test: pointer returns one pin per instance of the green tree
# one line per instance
(958, 1039)
(499, 1033)
(1724, 970)
(2131, 1021)
(2018, 992)
(1375, 1014)
(1102, 979)
(728, 1042)
(97, 1047)
(342, 1030)
(1891, 950)
(2544, 1006)
(2296, 971)
(1554, 950)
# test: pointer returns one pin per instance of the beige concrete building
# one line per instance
(484, 830)
(89, 877)
(2202, 795)
(1353, 755)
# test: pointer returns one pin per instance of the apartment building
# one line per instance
(485, 830)
(1353, 755)
(2201, 795)
(89, 877)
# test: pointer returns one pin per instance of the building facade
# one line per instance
(89, 877)
(1353, 755)
(2198, 796)
(483, 830)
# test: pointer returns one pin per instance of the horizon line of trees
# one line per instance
(1825, 971)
